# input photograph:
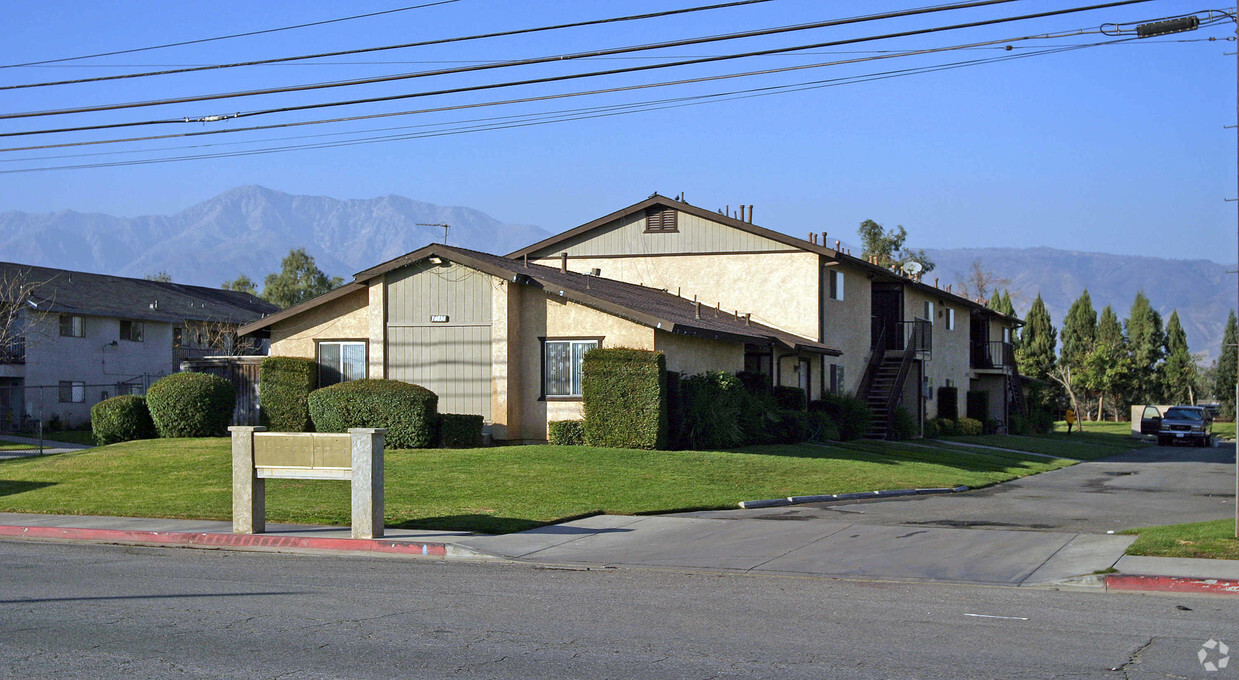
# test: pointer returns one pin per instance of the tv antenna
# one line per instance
(445, 228)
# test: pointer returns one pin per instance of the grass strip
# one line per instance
(1210, 540)
(491, 490)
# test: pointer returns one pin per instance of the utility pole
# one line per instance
(445, 228)
(1191, 23)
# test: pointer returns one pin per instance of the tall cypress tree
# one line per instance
(1107, 367)
(1109, 330)
(995, 300)
(1179, 371)
(1004, 305)
(1147, 343)
(1035, 355)
(1227, 367)
(1079, 332)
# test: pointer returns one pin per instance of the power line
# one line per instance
(592, 74)
(228, 37)
(599, 111)
(530, 61)
(538, 98)
(424, 43)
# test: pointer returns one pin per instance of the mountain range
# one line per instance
(248, 230)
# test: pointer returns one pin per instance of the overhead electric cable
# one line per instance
(423, 43)
(549, 79)
(522, 100)
(743, 94)
(538, 60)
(228, 37)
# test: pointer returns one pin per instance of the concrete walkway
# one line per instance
(49, 447)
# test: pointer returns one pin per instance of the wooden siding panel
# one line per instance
(695, 235)
(452, 358)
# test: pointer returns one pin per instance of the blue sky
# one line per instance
(1119, 148)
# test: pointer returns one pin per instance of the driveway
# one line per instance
(1157, 485)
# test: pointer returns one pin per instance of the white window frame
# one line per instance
(928, 310)
(339, 368)
(950, 319)
(575, 369)
(77, 326)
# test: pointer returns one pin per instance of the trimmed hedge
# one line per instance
(822, 427)
(945, 426)
(851, 415)
(191, 405)
(931, 429)
(971, 426)
(625, 395)
(566, 432)
(408, 411)
(284, 385)
(790, 398)
(121, 419)
(460, 430)
(713, 405)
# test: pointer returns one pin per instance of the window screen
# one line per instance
(340, 362)
(563, 360)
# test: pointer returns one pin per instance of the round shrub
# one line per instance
(121, 419)
(408, 411)
(822, 427)
(851, 415)
(191, 405)
(931, 428)
(970, 426)
(566, 432)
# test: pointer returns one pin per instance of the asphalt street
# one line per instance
(1152, 486)
(93, 611)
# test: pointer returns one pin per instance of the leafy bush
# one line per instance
(566, 432)
(792, 427)
(992, 425)
(970, 426)
(713, 404)
(460, 430)
(851, 415)
(822, 427)
(625, 395)
(948, 402)
(789, 398)
(191, 405)
(408, 411)
(904, 426)
(755, 383)
(284, 385)
(760, 415)
(1042, 422)
(946, 427)
(121, 419)
(931, 429)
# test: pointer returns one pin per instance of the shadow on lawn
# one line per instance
(889, 453)
(9, 488)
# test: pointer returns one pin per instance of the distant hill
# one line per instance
(1200, 290)
(248, 230)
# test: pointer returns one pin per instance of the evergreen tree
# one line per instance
(995, 300)
(242, 284)
(887, 248)
(299, 280)
(1109, 329)
(1227, 368)
(1079, 332)
(1107, 368)
(1146, 342)
(1035, 355)
(1005, 306)
(1179, 371)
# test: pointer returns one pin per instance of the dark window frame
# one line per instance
(542, 341)
(132, 325)
(81, 326)
(76, 392)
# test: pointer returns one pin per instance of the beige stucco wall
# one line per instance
(690, 356)
(950, 358)
(376, 317)
(846, 323)
(347, 318)
(545, 315)
(778, 289)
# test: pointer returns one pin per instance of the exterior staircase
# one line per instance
(884, 385)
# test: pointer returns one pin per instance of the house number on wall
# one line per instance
(438, 318)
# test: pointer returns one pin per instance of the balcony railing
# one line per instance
(14, 352)
(997, 354)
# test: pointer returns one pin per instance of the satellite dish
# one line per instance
(912, 268)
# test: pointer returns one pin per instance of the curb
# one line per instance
(1172, 584)
(244, 541)
(827, 498)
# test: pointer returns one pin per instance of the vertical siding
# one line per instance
(451, 359)
(626, 236)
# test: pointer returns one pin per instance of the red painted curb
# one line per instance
(204, 540)
(1172, 584)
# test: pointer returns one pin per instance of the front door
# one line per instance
(887, 311)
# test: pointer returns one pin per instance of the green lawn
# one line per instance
(10, 446)
(1088, 445)
(494, 490)
(1214, 540)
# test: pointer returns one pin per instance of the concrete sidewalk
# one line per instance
(836, 549)
(49, 447)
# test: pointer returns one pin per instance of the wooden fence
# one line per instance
(242, 372)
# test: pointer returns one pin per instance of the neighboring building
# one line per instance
(503, 339)
(80, 338)
(929, 338)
